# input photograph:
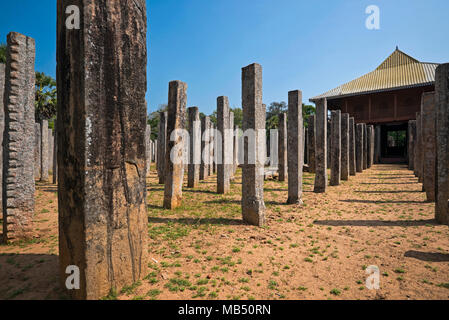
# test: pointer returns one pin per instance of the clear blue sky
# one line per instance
(312, 46)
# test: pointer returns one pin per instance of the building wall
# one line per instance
(384, 107)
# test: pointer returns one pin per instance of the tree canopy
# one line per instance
(46, 97)
(2, 53)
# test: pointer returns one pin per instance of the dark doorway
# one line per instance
(394, 142)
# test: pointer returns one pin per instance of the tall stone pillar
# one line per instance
(365, 146)
(442, 141)
(55, 158)
(2, 123)
(429, 144)
(237, 133)
(345, 146)
(359, 147)
(295, 147)
(311, 143)
(37, 151)
(377, 144)
(18, 139)
(223, 153)
(329, 144)
(335, 148)
(51, 142)
(253, 205)
(352, 158)
(418, 148)
(174, 166)
(370, 146)
(162, 146)
(211, 149)
(148, 147)
(282, 146)
(321, 146)
(193, 177)
(45, 147)
(231, 145)
(205, 147)
(103, 222)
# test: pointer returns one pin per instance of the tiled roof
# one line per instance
(398, 71)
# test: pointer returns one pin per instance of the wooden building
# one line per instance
(387, 98)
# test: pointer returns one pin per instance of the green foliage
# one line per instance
(154, 119)
(2, 53)
(46, 97)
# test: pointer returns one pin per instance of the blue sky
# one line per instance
(312, 46)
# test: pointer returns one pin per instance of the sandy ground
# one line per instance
(321, 250)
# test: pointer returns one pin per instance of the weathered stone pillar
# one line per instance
(335, 148)
(305, 146)
(282, 147)
(359, 147)
(370, 146)
(44, 151)
(18, 139)
(231, 145)
(345, 146)
(193, 176)
(295, 147)
(411, 144)
(237, 133)
(215, 150)
(329, 144)
(429, 144)
(311, 143)
(418, 148)
(174, 166)
(205, 147)
(442, 142)
(103, 223)
(148, 147)
(321, 146)
(223, 157)
(352, 165)
(2, 123)
(51, 142)
(365, 146)
(37, 151)
(377, 144)
(253, 205)
(162, 146)
(55, 159)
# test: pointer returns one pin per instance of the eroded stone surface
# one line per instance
(282, 147)
(205, 148)
(359, 147)
(37, 151)
(18, 139)
(311, 143)
(193, 176)
(335, 148)
(45, 148)
(224, 155)
(352, 165)
(429, 144)
(103, 222)
(2, 123)
(162, 146)
(411, 144)
(365, 146)
(321, 146)
(345, 146)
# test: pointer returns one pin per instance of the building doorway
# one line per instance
(394, 140)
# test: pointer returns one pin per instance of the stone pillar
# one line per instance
(55, 159)
(174, 166)
(282, 147)
(231, 144)
(51, 143)
(2, 123)
(311, 143)
(429, 144)
(345, 146)
(223, 153)
(37, 151)
(359, 147)
(295, 147)
(237, 137)
(421, 145)
(418, 148)
(365, 147)
(253, 205)
(329, 144)
(377, 144)
(103, 222)
(44, 151)
(305, 146)
(193, 177)
(370, 146)
(352, 165)
(162, 146)
(442, 142)
(148, 147)
(335, 148)
(205, 147)
(18, 139)
(411, 144)
(321, 146)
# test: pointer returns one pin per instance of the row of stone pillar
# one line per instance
(44, 149)
(428, 144)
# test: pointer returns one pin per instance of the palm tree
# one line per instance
(45, 104)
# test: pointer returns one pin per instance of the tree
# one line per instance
(307, 111)
(2, 53)
(154, 119)
(46, 98)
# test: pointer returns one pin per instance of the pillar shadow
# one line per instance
(155, 189)
(382, 201)
(223, 201)
(382, 183)
(427, 256)
(392, 191)
(198, 221)
(375, 223)
(198, 191)
(390, 178)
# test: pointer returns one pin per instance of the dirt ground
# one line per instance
(318, 251)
